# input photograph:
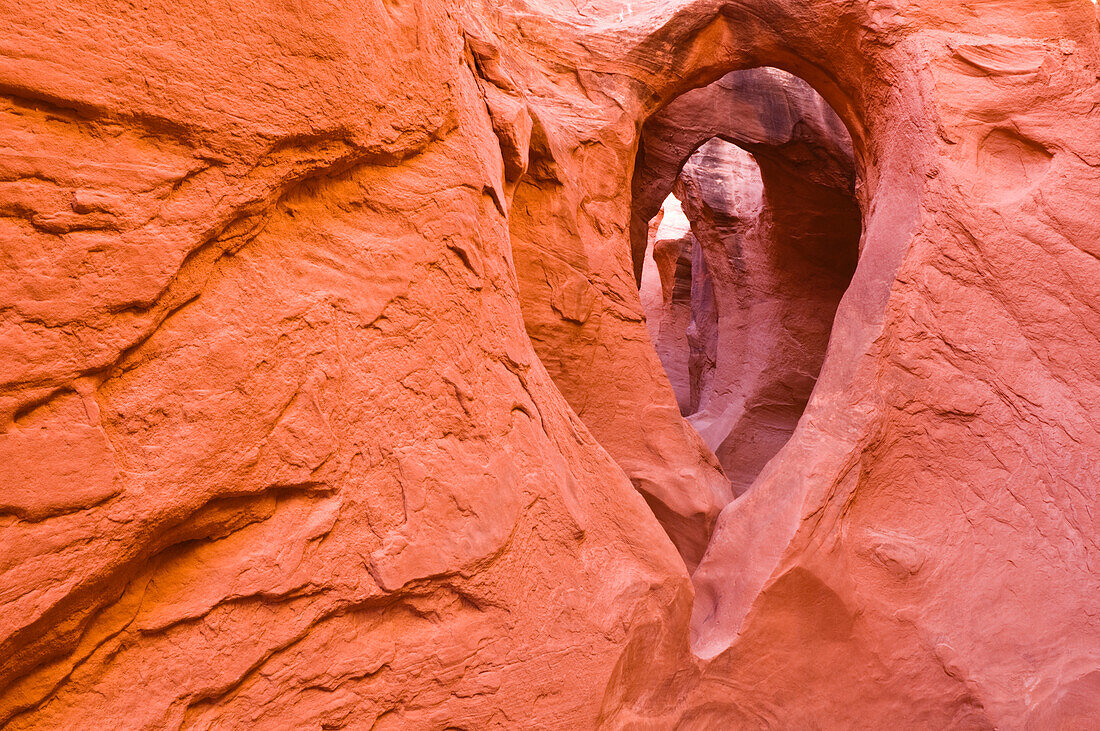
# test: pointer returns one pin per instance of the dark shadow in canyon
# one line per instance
(744, 237)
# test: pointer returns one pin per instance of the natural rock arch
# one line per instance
(898, 90)
(818, 503)
(778, 268)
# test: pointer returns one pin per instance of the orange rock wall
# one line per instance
(327, 397)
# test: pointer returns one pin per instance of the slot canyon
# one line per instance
(550, 364)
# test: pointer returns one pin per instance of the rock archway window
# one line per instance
(745, 235)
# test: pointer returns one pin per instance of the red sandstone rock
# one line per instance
(280, 453)
(585, 321)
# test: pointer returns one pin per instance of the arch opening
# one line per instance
(745, 234)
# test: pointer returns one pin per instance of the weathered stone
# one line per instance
(298, 438)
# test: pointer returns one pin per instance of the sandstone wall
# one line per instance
(285, 443)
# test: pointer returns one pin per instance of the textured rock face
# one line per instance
(279, 453)
(584, 317)
(778, 241)
(328, 397)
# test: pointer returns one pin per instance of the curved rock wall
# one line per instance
(286, 444)
(278, 450)
(766, 111)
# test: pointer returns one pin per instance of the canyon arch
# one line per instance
(765, 173)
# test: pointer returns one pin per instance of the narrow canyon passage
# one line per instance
(746, 260)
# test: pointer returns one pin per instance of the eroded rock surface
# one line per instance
(290, 439)
(777, 244)
(586, 323)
